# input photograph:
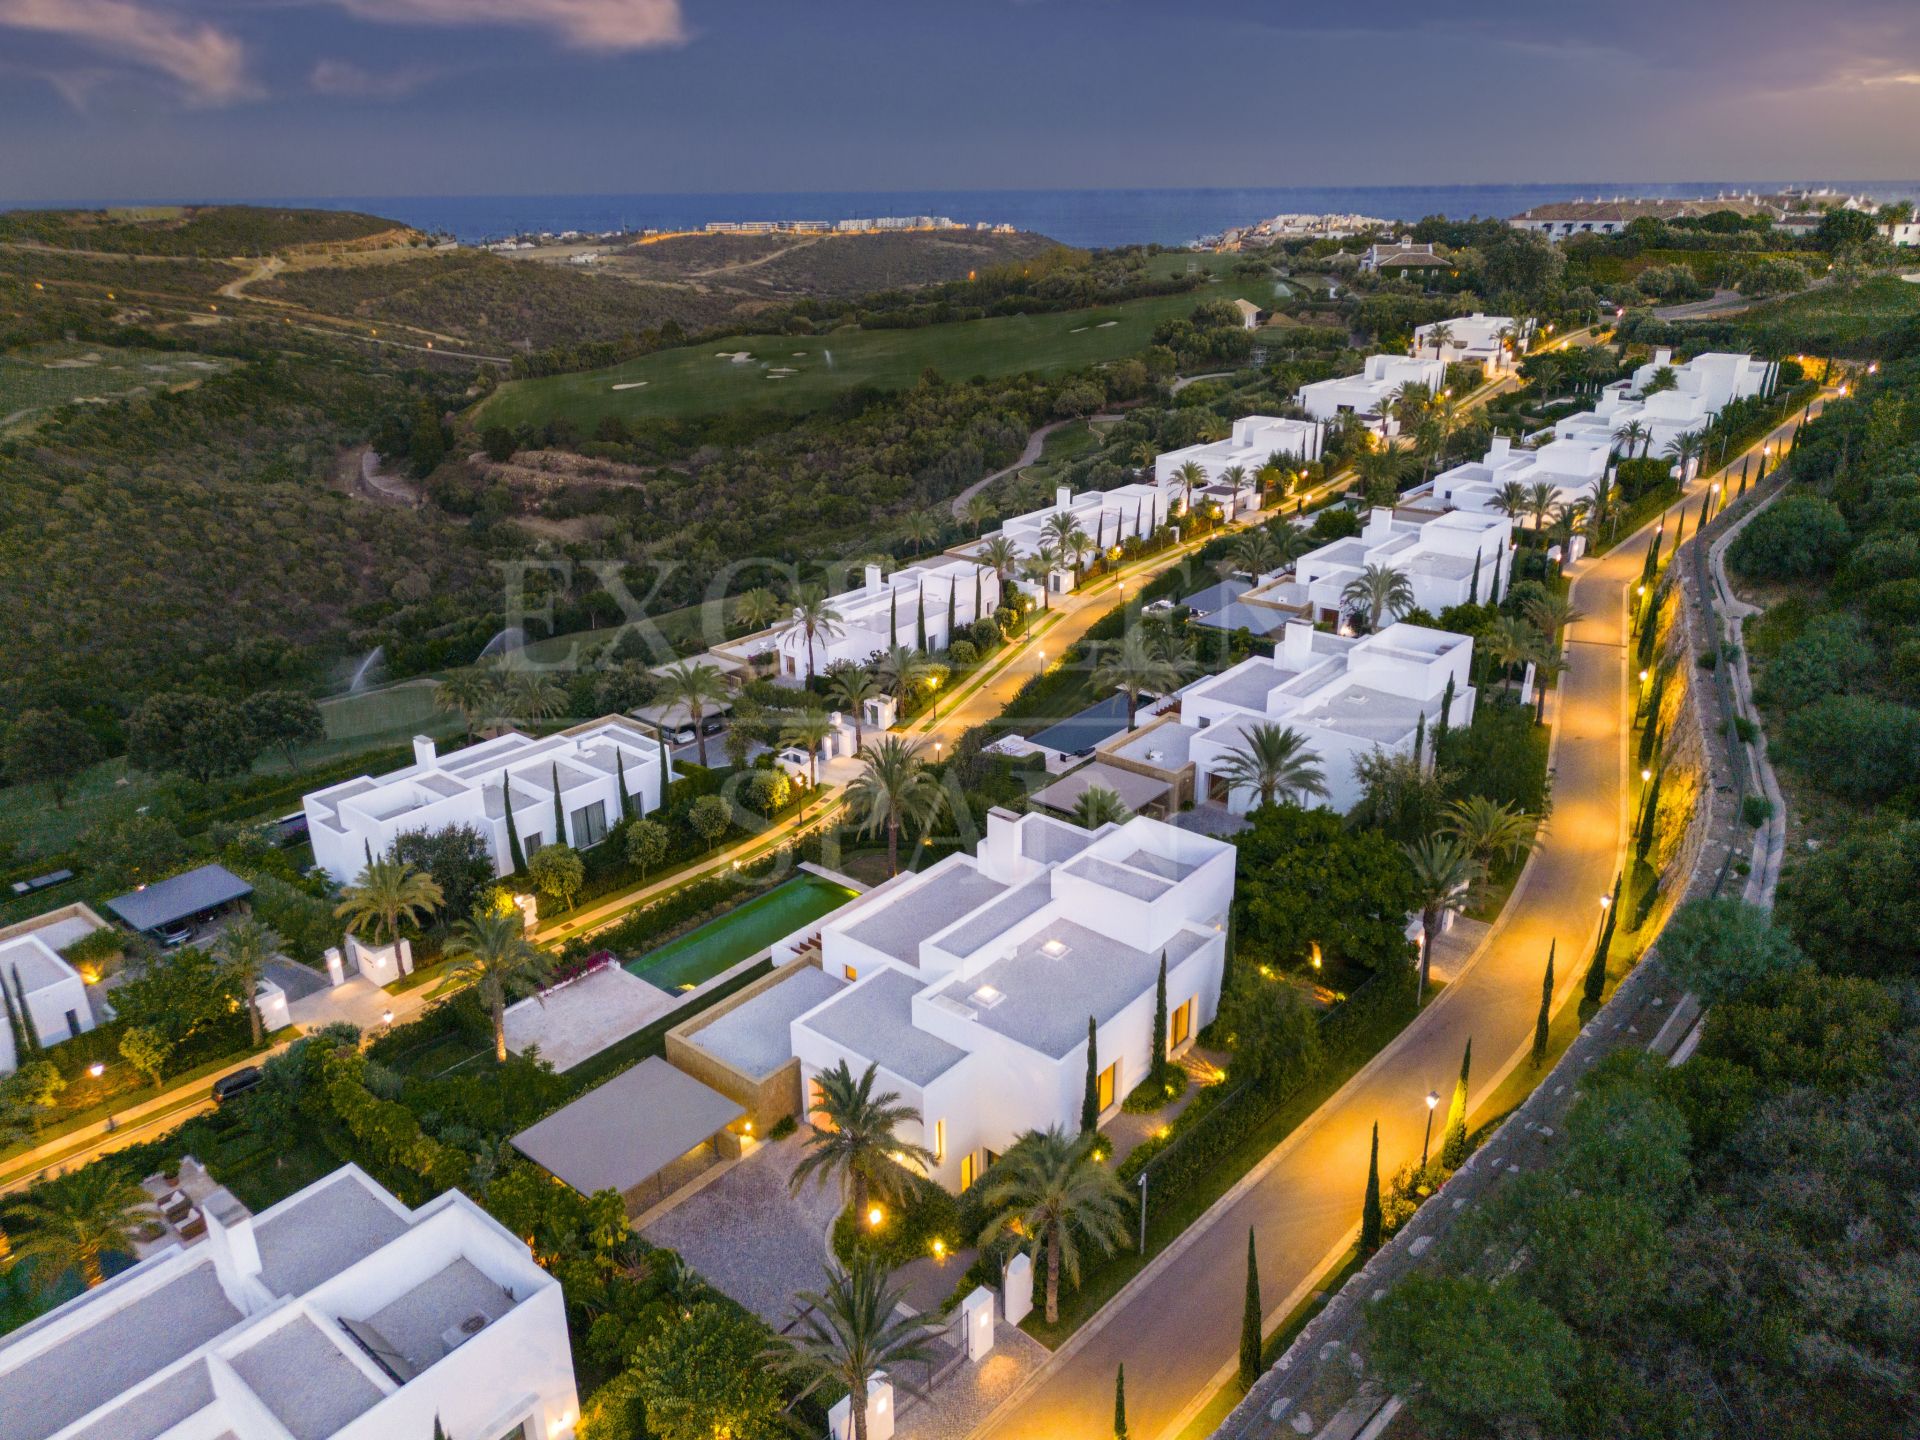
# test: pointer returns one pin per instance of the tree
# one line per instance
(1544, 1019)
(978, 511)
(1596, 980)
(710, 817)
(1250, 1316)
(1798, 536)
(1473, 1358)
(1001, 556)
(1453, 1144)
(1855, 902)
(892, 790)
(472, 694)
(492, 953)
(148, 1052)
(1446, 880)
(756, 608)
(1136, 667)
(199, 736)
(1051, 1192)
(1371, 1222)
(1120, 1404)
(529, 694)
(243, 950)
(1487, 830)
(516, 853)
(1273, 761)
(1307, 880)
(1100, 805)
(694, 684)
(1090, 1091)
(856, 1137)
(1551, 613)
(1380, 473)
(387, 894)
(807, 730)
(1157, 1068)
(900, 668)
(183, 995)
(702, 1377)
(71, 1223)
(1377, 590)
(1276, 1040)
(557, 872)
(1510, 642)
(1189, 473)
(50, 747)
(850, 688)
(1511, 501)
(815, 618)
(283, 720)
(853, 1329)
(647, 843)
(1723, 949)
(459, 860)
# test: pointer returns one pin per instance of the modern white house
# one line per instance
(1571, 466)
(1256, 441)
(1107, 517)
(41, 986)
(1702, 387)
(562, 787)
(970, 984)
(919, 607)
(1368, 394)
(1448, 559)
(1484, 340)
(338, 1314)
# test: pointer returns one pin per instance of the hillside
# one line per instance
(200, 230)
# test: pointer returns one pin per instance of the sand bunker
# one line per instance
(1106, 324)
(630, 384)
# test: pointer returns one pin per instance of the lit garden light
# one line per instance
(96, 1069)
(1433, 1100)
(874, 1216)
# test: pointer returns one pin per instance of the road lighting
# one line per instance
(1433, 1099)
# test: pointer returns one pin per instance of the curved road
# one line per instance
(1176, 1326)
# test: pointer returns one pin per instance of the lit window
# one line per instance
(851, 972)
(1109, 1083)
(939, 1140)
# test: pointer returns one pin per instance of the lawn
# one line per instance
(794, 374)
(40, 376)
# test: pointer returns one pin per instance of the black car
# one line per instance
(713, 724)
(237, 1083)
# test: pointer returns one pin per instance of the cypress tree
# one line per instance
(13, 1026)
(1453, 1148)
(951, 587)
(27, 1027)
(920, 623)
(1420, 739)
(1473, 590)
(1250, 1320)
(1596, 980)
(1650, 735)
(1493, 590)
(1226, 959)
(559, 812)
(1120, 1404)
(1090, 1102)
(893, 615)
(979, 583)
(620, 779)
(1370, 1221)
(1680, 531)
(514, 852)
(1441, 725)
(1545, 1017)
(1159, 1069)
(439, 1430)
(1643, 842)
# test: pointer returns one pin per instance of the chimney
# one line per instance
(873, 578)
(424, 755)
(1379, 523)
(1662, 356)
(1063, 496)
(230, 1239)
(1296, 645)
(1502, 449)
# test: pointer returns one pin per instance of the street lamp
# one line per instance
(1605, 902)
(96, 1069)
(1433, 1099)
(1646, 776)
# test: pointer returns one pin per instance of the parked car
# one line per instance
(713, 724)
(684, 735)
(237, 1083)
(173, 936)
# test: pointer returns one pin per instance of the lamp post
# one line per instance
(1433, 1099)
(1143, 1214)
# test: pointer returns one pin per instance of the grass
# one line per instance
(695, 381)
(1842, 319)
(42, 376)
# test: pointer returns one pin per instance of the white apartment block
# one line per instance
(969, 985)
(476, 785)
(1571, 466)
(939, 597)
(338, 1314)
(1369, 393)
(1481, 339)
(1448, 560)
(1108, 517)
(1256, 441)
(1345, 697)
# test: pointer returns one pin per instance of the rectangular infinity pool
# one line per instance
(726, 940)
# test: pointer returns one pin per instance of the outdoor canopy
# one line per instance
(621, 1134)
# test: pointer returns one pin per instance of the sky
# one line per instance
(184, 99)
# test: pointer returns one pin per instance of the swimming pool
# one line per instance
(728, 939)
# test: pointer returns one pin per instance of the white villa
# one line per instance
(1702, 387)
(1369, 393)
(31, 968)
(1482, 339)
(940, 597)
(1345, 697)
(1256, 440)
(1449, 560)
(1571, 466)
(1108, 517)
(338, 1314)
(970, 984)
(474, 786)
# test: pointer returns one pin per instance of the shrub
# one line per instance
(1755, 810)
(1720, 949)
(765, 791)
(1859, 748)
(1827, 657)
(962, 653)
(1797, 537)
(1642, 476)
(1855, 904)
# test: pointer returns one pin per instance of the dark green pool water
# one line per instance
(730, 938)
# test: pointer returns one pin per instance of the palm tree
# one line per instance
(1511, 499)
(1099, 805)
(1683, 450)
(1514, 336)
(1234, 476)
(1038, 570)
(853, 1330)
(1189, 474)
(1051, 1191)
(1541, 496)
(1488, 829)
(73, 1221)
(1631, 435)
(1274, 762)
(696, 684)
(851, 688)
(1446, 877)
(1546, 370)
(493, 952)
(893, 790)
(1600, 506)
(1550, 615)
(899, 669)
(1255, 553)
(815, 617)
(530, 695)
(1409, 401)
(387, 893)
(471, 693)
(1380, 473)
(920, 527)
(1000, 555)
(856, 1137)
(756, 608)
(1079, 548)
(1508, 642)
(1376, 590)
(1136, 667)
(1439, 336)
(1665, 378)
(979, 510)
(807, 730)
(243, 950)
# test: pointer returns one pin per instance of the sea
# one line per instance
(1075, 217)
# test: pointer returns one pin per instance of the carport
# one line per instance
(192, 898)
(1141, 794)
(644, 1133)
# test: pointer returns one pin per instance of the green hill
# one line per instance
(197, 229)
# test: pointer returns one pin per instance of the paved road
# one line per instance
(1036, 442)
(1176, 1328)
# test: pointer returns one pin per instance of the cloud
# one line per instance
(344, 80)
(610, 25)
(208, 64)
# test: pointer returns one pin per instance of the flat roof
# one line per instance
(180, 897)
(912, 915)
(1079, 733)
(307, 1381)
(1134, 789)
(415, 1324)
(874, 1019)
(323, 1232)
(35, 961)
(621, 1134)
(756, 1038)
